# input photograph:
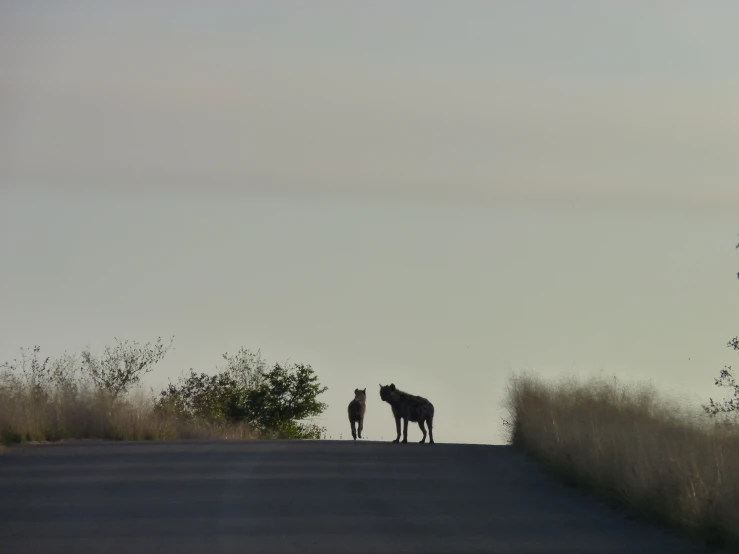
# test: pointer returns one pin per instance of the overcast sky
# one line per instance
(426, 193)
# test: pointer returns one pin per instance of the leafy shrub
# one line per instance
(273, 402)
(203, 397)
(285, 396)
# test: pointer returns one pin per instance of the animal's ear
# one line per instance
(364, 390)
(356, 391)
(392, 386)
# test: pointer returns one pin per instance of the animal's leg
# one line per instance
(430, 422)
(397, 428)
(423, 430)
(405, 429)
(354, 433)
(361, 426)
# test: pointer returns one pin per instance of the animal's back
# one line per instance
(415, 408)
(356, 410)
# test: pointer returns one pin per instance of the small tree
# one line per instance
(215, 398)
(32, 374)
(122, 366)
(205, 398)
(726, 379)
(286, 396)
(274, 402)
(247, 368)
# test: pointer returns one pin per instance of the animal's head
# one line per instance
(386, 391)
(360, 394)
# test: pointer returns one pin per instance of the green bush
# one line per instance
(275, 403)
(284, 397)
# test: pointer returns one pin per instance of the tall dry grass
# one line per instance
(633, 448)
(45, 399)
(28, 414)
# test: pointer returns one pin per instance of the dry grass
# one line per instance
(634, 449)
(25, 416)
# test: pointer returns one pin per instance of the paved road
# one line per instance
(283, 497)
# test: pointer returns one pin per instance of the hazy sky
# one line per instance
(426, 193)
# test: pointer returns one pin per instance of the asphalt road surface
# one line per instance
(282, 497)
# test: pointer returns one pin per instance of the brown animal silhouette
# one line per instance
(356, 411)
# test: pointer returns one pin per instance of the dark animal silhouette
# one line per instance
(409, 407)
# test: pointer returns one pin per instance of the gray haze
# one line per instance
(430, 194)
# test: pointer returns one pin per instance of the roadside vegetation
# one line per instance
(638, 450)
(89, 396)
(634, 449)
